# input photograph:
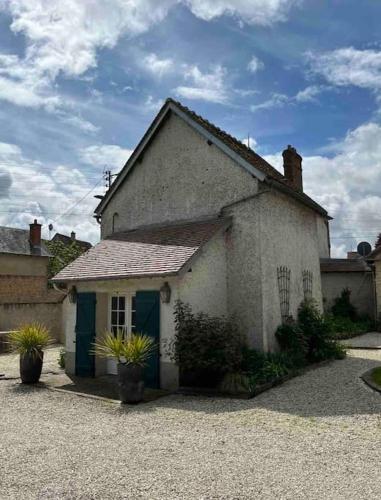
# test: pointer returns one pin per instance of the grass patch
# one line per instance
(376, 376)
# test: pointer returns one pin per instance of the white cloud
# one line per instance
(157, 66)
(275, 101)
(63, 37)
(250, 142)
(255, 65)
(348, 185)
(349, 66)
(51, 191)
(206, 86)
(309, 94)
(105, 155)
(262, 12)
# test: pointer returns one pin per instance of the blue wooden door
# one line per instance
(85, 334)
(147, 320)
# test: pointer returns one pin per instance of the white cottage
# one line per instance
(198, 216)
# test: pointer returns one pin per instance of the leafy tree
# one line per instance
(62, 255)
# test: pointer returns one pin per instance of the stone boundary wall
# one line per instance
(13, 315)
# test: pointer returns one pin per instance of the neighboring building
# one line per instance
(353, 273)
(69, 240)
(197, 213)
(24, 293)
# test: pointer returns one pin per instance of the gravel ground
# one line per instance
(372, 339)
(317, 436)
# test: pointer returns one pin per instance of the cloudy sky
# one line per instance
(80, 81)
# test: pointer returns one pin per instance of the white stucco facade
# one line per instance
(181, 177)
(203, 285)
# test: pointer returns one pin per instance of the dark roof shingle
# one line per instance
(16, 241)
(343, 266)
(155, 251)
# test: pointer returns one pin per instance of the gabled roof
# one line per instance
(66, 240)
(146, 252)
(16, 241)
(343, 266)
(235, 149)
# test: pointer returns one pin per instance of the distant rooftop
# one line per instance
(17, 241)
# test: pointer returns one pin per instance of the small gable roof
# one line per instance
(16, 241)
(235, 149)
(67, 240)
(146, 252)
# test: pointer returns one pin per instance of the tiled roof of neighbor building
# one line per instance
(151, 251)
(16, 241)
(343, 265)
(67, 240)
(246, 153)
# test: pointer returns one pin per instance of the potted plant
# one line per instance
(29, 341)
(131, 354)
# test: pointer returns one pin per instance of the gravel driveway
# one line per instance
(317, 436)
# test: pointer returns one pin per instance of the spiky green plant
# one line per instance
(110, 345)
(134, 349)
(30, 338)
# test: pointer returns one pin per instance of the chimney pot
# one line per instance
(292, 164)
(35, 235)
(72, 236)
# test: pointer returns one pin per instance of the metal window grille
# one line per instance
(307, 283)
(284, 291)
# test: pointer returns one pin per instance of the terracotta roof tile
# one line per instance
(155, 251)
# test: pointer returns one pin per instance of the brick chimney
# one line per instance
(35, 235)
(292, 164)
(72, 236)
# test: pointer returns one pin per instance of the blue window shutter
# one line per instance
(147, 321)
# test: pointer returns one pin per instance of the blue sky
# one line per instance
(80, 81)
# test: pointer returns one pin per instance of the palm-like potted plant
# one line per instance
(131, 353)
(29, 341)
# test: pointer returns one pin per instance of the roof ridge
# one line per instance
(220, 130)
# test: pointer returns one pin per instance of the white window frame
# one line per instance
(127, 311)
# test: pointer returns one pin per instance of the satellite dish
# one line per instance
(50, 227)
(364, 248)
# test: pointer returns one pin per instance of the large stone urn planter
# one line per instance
(130, 383)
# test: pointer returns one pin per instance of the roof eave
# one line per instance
(116, 277)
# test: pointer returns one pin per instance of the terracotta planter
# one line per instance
(130, 383)
(31, 367)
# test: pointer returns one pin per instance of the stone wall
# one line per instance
(22, 288)
(49, 314)
(360, 284)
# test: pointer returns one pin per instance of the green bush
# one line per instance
(292, 340)
(345, 328)
(317, 332)
(343, 307)
(205, 348)
(261, 367)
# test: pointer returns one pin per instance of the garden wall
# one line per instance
(50, 314)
